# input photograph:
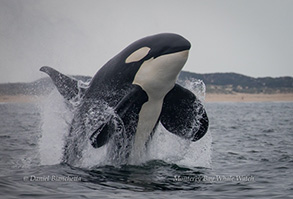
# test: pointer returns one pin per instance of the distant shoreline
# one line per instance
(245, 97)
(19, 98)
(210, 97)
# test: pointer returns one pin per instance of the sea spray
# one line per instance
(173, 149)
(57, 120)
(196, 86)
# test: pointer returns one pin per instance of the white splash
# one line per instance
(163, 145)
(55, 126)
(197, 86)
(173, 149)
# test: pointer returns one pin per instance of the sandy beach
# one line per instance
(19, 98)
(237, 97)
(244, 97)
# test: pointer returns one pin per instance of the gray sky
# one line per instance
(251, 37)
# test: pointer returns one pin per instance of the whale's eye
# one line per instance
(137, 55)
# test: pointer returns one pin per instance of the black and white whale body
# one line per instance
(129, 96)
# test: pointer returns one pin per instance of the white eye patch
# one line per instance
(137, 55)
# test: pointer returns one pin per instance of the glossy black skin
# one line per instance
(120, 84)
(116, 75)
(112, 84)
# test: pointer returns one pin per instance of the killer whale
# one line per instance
(139, 85)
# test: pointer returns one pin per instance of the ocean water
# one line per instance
(247, 152)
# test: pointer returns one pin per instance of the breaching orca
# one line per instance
(139, 86)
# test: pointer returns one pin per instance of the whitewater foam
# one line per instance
(57, 118)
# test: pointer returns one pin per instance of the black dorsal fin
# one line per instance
(67, 86)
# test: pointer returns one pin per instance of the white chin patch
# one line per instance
(137, 55)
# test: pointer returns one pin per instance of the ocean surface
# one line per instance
(247, 152)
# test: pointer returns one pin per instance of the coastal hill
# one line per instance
(223, 83)
(236, 83)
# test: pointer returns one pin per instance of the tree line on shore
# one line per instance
(215, 83)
